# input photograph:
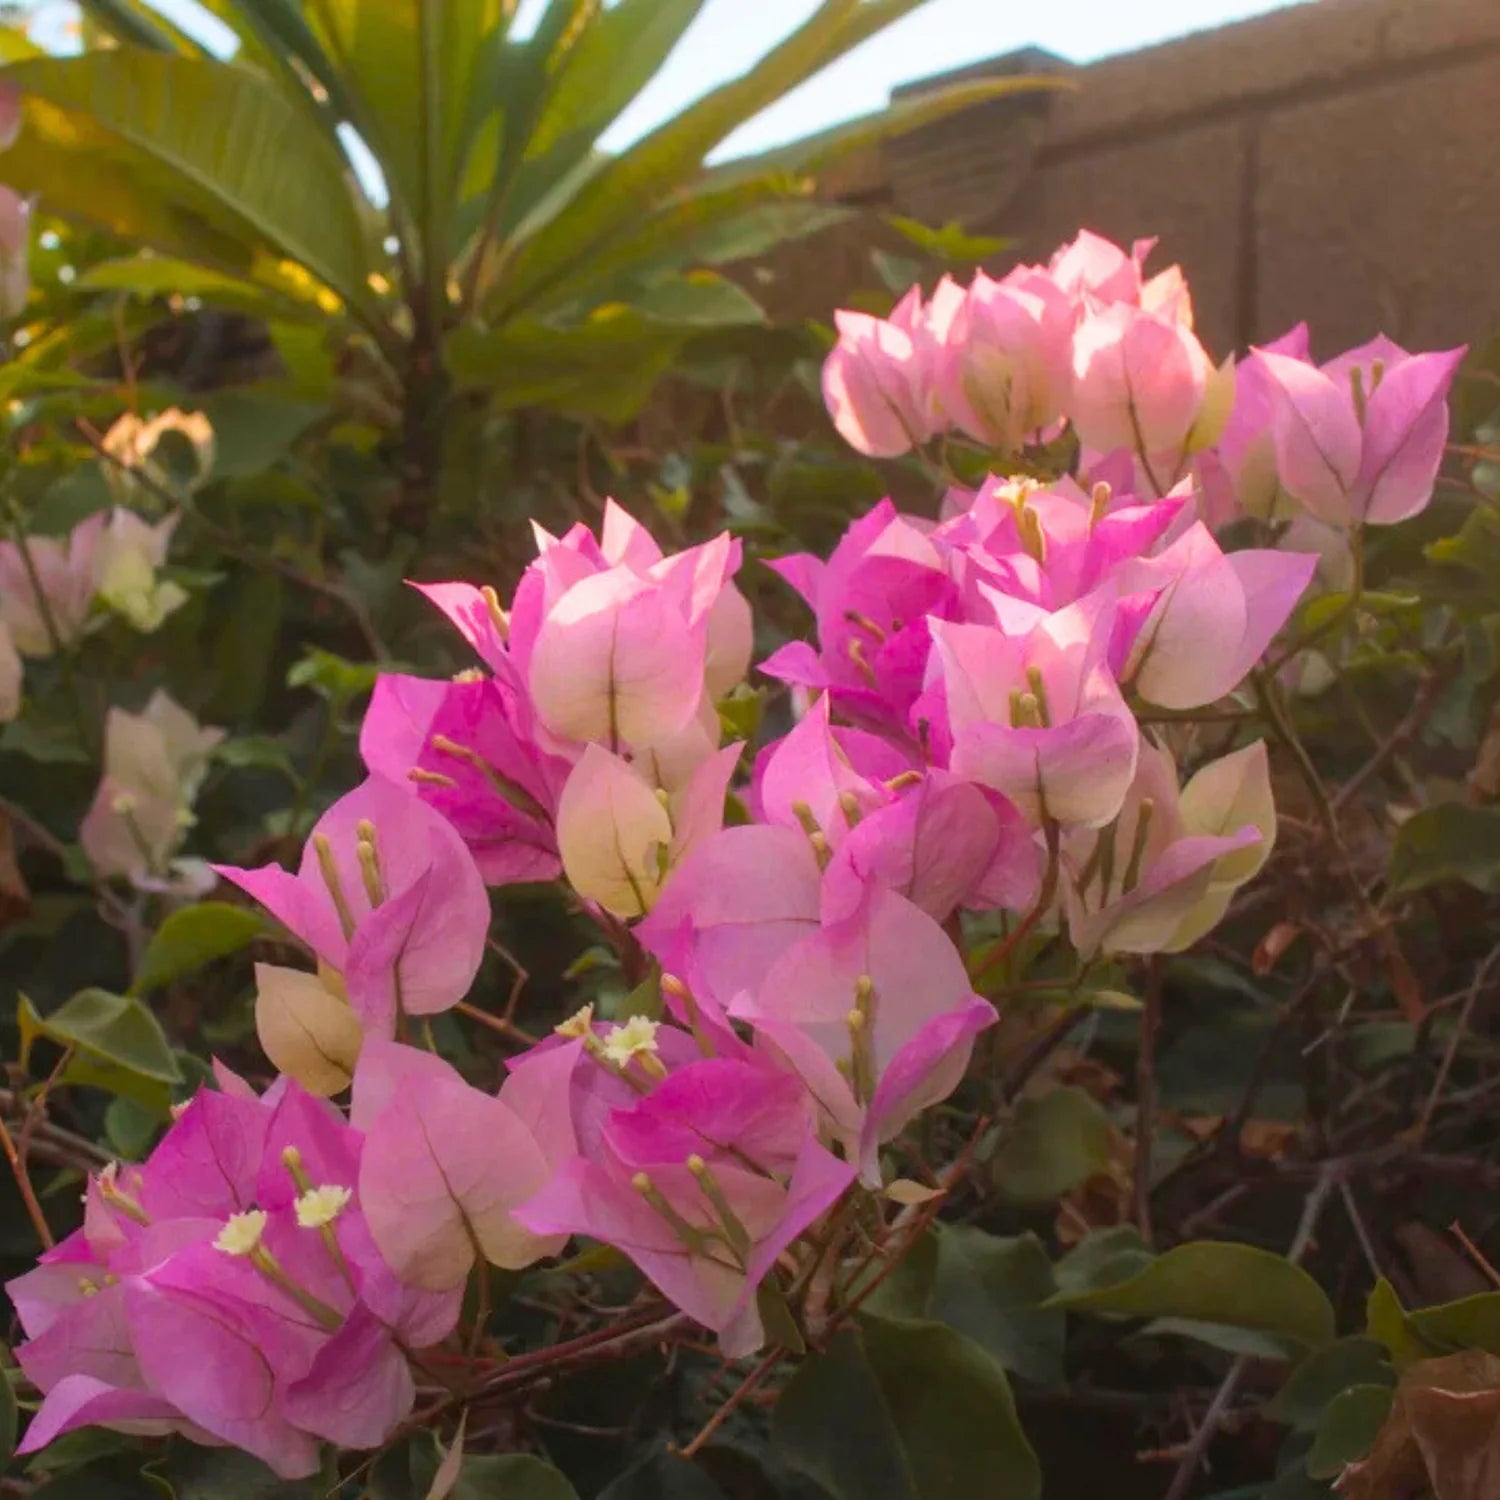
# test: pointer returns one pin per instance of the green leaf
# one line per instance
(191, 937)
(951, 242)
(1214, 1282)
(201, 159)
(663, 1476)
(1347, 1429)
(603, 67)
(253, 429)
(1323, 1374)
(254, 752)
(189, 1472)
(1470, 1323)
(1052, 1144)
(118, 1045)
(905, 1411)
(129, 1128)
(415, 74)
(1223, 1336)
(606, 363)
(1102, 1258)
(50, 742)
(332, 677)
(625, 189)
(1451, 841)
(987, 1287)
(133, 23)
(1386, 1321)
(511, 1476)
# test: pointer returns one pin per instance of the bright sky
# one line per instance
(940, 35)
(731, 34)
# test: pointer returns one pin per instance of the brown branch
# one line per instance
(1145, 1096)
(1481, 976)
(744, 1388)
(23, 1184)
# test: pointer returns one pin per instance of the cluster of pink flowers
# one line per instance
(1090, 342)
(970, 734)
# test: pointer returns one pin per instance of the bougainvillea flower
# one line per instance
(241, 1242)
(443, 1169)
(872, 386)
(1361, 439)
(1091, 264)
(704, 1183)
(1051, 544)
(472, 751)
(941, 842)
(1037, 715)
(129, 553)
(877, 1016)
(65, 570)
(11, 675)
(1214, 613)
(15, 248)
(386, 895)
(1239, 473)
(1162, 873)
(730, 909)
(154, 763)
(1005, 364)
(620, 836)
(1142, 382)
(872, 600)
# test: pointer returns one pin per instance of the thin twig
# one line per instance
(744, 1388)
(1187, 1471)
(1145, 1096)
(23, 1184)
(1357, 1222)
(1407, 730)
(38, 1104)
(508, 1029)
(1481, 976)
(1475, 1254)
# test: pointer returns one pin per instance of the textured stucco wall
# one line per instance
(1338, 160)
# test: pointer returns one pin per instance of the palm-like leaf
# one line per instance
(518, 240)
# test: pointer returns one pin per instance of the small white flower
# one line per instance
(636, 1036)
(241, 1234)
(322, 1205)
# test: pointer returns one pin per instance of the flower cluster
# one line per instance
(49, 586)
(1090, 343)
(976, 728)
(229, 1289)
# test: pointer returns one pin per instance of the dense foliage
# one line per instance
(599, 1034)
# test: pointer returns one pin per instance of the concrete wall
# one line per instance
(1338, 160)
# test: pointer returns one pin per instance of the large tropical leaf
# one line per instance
(605, 364)
(138, 25)
(714, 227)
(627, 188)
(412, 69)
(213, 164)
(606, 66)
